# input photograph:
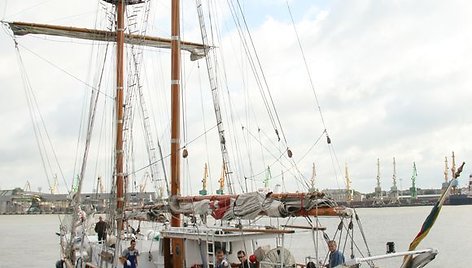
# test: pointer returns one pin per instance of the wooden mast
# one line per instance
(177, 244)
(119, 114)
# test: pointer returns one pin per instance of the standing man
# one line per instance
(101, 229)
(221, 261)
(130, 255)
(335, 256)
(244, 261)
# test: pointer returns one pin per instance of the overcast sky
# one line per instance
(393, 79)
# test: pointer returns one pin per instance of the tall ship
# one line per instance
(174, 228)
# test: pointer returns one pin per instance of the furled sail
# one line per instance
(251, 205)
(197, 51)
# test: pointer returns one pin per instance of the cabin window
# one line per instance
(225, 246)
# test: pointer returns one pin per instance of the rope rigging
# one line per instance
(253, 58)
(277, 159)
(229, 138)
(92, 88)
(334, 159)
(137, 25)
(260, 79)
(204, 125)
(307, 69)
(230, 113)
(212, 67)
(38, 122)
(256, 67)
(32, 103)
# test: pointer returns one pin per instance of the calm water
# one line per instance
(30, 240)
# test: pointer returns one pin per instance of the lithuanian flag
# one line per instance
(433, 215)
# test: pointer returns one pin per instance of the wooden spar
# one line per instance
(176, 243)
(320, 211)
(278, 196)
(270, 231)
(119, 114)
(324, 211)
(23, 28)
(327, 211)
(305, 227)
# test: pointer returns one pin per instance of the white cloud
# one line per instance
(392, 78)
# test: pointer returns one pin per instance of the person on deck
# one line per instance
(221, 261)
(101, 229)
(335, 256)
(130, 255)
(244, 260)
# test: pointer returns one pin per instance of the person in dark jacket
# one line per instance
(244, 260)
(101, 229)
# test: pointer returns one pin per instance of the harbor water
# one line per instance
(30, 240)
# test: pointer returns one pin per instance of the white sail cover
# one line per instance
(197, 51)
(250, 205)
